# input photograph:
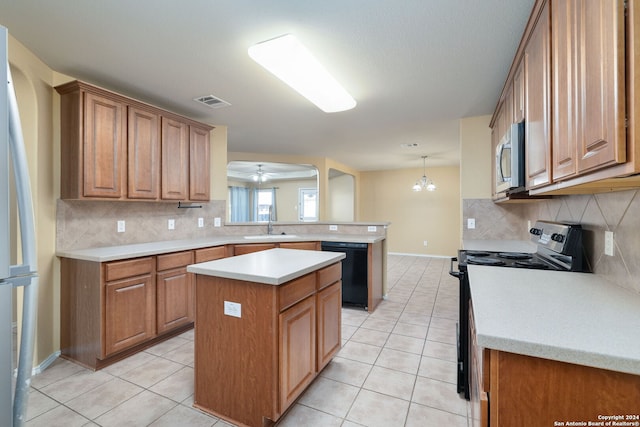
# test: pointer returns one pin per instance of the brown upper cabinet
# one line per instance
(577, 61)
(117, 148)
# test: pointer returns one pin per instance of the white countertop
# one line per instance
(272, 267)
(571, 317)
(114, 253)
(499, 245)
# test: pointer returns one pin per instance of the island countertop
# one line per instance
(271, 267)
(577, 318)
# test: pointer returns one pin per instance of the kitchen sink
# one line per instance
(272, 236)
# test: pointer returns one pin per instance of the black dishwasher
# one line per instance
(354, 271)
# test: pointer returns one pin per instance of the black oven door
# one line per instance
(462, 329)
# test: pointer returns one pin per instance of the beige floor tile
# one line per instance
(440, 395)
(39, 403)
(348, 331)
(189, 335)
(301, 415)
(58, 370)
(347, 371)
(390, 382)
(329, 396)
(137, 360)
(177, 386)
(167, 346)
(365, 353)
(353, 317)
(103, 398)
(383, 325)
(370, 336)
(140, 410)
(438, 369)
(182, 354)
(375, 409)
(75, 385)
(399, 361)
(184, 416)
(152, 372)
(440, 350)
(405, 343)
(60, 416)
(442, 335)
(421, 416)
(416, 331)
(444, 323)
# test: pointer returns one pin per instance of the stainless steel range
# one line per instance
(559, 247)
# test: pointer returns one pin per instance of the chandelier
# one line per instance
(424, 183)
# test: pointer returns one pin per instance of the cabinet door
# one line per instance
(104, 159)
(143, 142)
(199, 164)
(601, 83)
(175, 299)
(565, 41)
(329, 308)
(175, 160)
(518, 94)
(130, 315)
(537, 87)
(297, 349)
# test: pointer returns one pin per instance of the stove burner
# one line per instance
(531, 264)
(515, 255)
(477, 253)
(484, 261)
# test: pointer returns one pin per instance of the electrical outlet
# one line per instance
(372, 228)
(217, 222)
(121, 226)
(608, 243)
(171, 224)
(233, 309)
(200, 222)
(425, 243)
(333, 228)
(471, 223)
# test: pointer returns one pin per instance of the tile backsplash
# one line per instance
(618, 212)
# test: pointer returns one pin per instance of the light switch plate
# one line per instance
(232, 309)
(171, 224)
(121, 226)
(200, 222)
(217, 222)
(471, 223)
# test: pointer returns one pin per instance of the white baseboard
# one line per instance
(419, 255)
(45, 363)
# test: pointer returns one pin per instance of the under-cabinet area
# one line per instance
(288, 313)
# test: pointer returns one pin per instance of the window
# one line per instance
(308, 204)
(265, 204)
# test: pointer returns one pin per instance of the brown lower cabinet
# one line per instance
(174, 286)
(511, 389)
(250, 369)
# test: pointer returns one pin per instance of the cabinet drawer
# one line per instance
(133, 267)
(174, 260)
(308, 246)
(252, 247)
(329, 275)
(209, 254)
(296, 290)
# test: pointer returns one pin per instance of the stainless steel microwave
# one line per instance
(510, 160)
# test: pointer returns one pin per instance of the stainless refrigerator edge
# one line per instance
(13, 402)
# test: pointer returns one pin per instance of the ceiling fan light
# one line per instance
(292, 63)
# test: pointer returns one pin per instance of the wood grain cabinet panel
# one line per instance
(297, 350)
(199, 164)
(252, 247)
(537, 100)
(210, 254)
(175, 160)
(143, 141)
(130, 315)
(308, 246)
(329, 311)
(175, 303)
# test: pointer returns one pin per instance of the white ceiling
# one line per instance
(414, 66)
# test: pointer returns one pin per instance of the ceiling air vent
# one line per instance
(212, 101)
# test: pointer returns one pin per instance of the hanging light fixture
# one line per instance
(424, 183)
(259, 176)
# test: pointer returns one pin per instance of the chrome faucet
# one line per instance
(270, 224)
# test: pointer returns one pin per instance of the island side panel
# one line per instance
(376, 275)
(236, 364)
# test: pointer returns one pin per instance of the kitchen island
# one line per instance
(552, 347)
(266, 324)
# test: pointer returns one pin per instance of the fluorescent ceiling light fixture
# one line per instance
(292, 63)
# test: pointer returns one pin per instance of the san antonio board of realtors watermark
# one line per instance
(631, 420)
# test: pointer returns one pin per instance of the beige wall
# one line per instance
(475, 157)
(341, 198)
(414, 216)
